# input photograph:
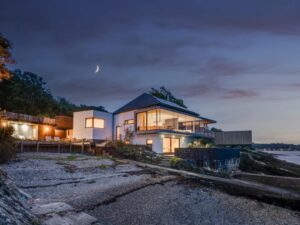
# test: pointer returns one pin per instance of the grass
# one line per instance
(71, 158)
(103, 167)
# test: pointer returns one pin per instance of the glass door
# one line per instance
(166, 145)
(169, 144)
(175, 144)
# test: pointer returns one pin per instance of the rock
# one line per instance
(260, 162)
(70, 218)
(12, 204)
(55, 207)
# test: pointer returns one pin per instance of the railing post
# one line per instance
(70, 147)
(37, 146)
(82, 149)
(58, 147)
(21, 145)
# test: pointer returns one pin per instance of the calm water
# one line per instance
(289, 156)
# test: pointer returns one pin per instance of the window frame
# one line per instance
(127, 122)
(93, 122)
(149, 140)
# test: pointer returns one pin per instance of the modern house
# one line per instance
(159, 123)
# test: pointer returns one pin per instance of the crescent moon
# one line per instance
(97, 69)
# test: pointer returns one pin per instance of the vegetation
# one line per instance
(136, 152)
(215, 129)
(5, 58)
(128, 135)
(163, 93)
(201, 143)
(7, 148)
(26, 92)
(277, 146)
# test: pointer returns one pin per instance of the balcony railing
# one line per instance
(193, 130)
(27, 118)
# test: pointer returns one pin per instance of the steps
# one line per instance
(165, 162)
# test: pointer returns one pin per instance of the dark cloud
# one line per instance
(236, 94)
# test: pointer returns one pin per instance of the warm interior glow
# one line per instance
(25, 127)
(98, 123)
(94, 123)
(149, 141)
(4, 124)
(89, 122)
(46, 129)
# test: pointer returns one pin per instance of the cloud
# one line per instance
(238, 93)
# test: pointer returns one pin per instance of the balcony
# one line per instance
(193, 128)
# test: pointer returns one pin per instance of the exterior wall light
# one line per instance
(4, 124)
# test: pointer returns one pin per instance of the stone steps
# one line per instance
(63, 214)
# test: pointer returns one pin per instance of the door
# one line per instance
(166, 145)
(169, 144)
(175, 144)
(118, 133)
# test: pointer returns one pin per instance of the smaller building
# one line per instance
(92, 125)
(29, 127)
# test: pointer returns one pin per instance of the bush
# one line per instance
(7, 145)
(137, 152)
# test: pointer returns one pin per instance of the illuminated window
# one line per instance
(89, 122)
(129, 122)
(94, 123)
(98, 123)
(149, 142)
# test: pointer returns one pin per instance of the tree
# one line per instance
(163, 93)
(27, 93)
(5, 58)
(215, 129)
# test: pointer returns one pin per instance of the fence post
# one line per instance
(58, 147)
(37, 146)
(21, 146)
(70, 147)
(82, 149)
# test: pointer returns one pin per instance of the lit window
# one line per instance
(149, 141)
(98, 123)
(89, 122)
(129, 122)
(94, 123)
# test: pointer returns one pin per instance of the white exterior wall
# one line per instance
(120, 120)
(82, 132)
(157, 146)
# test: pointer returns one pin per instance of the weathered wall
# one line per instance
(233, 137)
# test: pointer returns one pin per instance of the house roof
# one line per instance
(147, 100)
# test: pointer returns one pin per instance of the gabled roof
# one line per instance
(147, 100)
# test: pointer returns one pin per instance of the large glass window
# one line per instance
(152, 119)
(141, 121)
(167, 120)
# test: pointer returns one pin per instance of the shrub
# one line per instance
(136, 152)
(176, 162)
(7, 145)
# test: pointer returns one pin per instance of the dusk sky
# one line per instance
(237, 62)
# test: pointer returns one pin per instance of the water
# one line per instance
(289, 156)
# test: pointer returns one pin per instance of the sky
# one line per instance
(237, 62)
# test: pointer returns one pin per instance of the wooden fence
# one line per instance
(55, 147)
(233, 137)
